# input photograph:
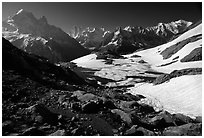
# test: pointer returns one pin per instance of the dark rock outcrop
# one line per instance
(176, 73)
(194, 55)
(168, 52)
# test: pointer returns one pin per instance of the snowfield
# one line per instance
(179, 95)
(90, 61)
(118, 70)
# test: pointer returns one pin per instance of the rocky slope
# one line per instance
(38, 37)
(36, 67)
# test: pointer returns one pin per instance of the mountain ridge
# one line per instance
(138, 37)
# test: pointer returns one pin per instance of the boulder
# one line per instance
(109, 104)
(142, 61)
(90, 107)
(143, 132)
(144, 108)
(136, 97)
(87, 97)
(58, 133)
(32, 131)
(41, 114)
(77, 93)
(61, 99)
(126, 96)
(131, 131)
(184, 130)
(39, 119)
(198, 119)
(124, 116)
(127, 105)
(181, 119)
(162, 120)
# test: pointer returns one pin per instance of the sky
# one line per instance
(109, 15)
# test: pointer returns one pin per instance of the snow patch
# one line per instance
(179, 95)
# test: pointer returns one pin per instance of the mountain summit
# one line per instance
(38, 37)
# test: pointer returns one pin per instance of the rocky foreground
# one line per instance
(33, 109)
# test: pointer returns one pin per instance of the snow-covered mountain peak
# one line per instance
(183, 22)
(160, 24)
(128, 28)
(164, 29)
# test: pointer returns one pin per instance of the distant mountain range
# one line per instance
(129, 39)
(38, 37)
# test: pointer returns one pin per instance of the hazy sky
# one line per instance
(108, 15)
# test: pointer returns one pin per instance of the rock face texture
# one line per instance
(38, 37)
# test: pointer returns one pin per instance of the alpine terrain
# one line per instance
(132, 81)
